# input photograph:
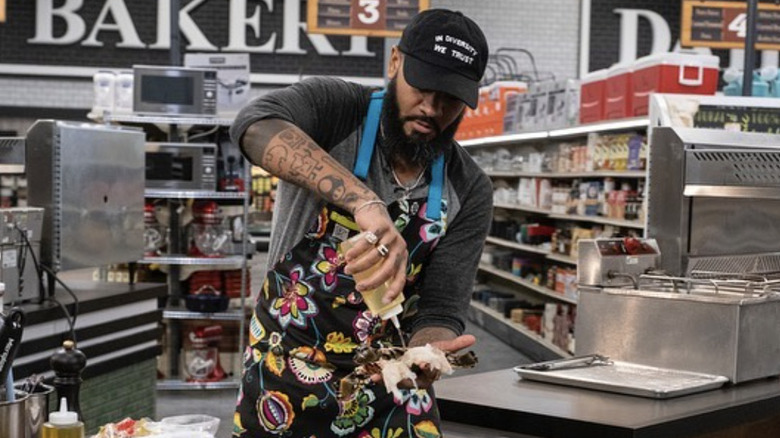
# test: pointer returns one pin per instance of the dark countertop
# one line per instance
(118, 324)
(501, 400)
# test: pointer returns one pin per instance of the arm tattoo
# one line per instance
(298, 159)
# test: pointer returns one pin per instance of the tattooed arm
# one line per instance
(287, 152)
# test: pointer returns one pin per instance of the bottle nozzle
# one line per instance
(63, 416)
(397, 325)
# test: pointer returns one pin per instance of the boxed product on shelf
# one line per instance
(564, 104)
(679, 73)
(592, 89)
(536, 234)
(617, 92)
(566, 282)
(534, 192)
(488, 119)
(541, 92)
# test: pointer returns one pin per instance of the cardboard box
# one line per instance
(233, 81)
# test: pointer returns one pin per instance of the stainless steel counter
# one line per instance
(499, 400)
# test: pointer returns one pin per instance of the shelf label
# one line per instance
(377, 18)
(723, 25)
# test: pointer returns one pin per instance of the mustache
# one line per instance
(425, 119)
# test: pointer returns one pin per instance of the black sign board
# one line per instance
(719, 24)
(379, 18)
(737, 118)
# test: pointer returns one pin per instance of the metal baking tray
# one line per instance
(599, 373)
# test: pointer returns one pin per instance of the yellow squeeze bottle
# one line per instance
(63, 423)
(373, 298)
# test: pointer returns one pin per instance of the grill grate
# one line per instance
(764, 266)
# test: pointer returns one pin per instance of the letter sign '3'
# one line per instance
(371, 13)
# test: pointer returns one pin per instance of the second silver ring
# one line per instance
(383, 250)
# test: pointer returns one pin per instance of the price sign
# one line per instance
(723, 25)
(382, 18)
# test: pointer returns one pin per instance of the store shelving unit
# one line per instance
(174, 312)
(516, 334)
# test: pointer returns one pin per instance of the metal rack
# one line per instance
(175, 260)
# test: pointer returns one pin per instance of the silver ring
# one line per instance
(370, 237)
(383, 250)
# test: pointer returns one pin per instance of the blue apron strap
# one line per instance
(433, 211)
(367, 140)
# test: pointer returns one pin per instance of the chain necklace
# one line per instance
(407, 188)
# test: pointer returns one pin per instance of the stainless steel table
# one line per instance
(499, 400)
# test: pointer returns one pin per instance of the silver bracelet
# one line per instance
(367, 203)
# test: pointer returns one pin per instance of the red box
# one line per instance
(592, 96)
(678, 73)
(617, 92)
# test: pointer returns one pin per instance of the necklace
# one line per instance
(408, 188)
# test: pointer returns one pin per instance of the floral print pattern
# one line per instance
(309, 365)
(354, 413)
(366, 326)
(295, 305)
(326, 267)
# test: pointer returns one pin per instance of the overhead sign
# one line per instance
(75, 37)
(378, 18)
(723, 25)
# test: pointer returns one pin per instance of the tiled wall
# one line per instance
(127, 392)
(549, 29)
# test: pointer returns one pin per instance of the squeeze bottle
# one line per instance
(63, 423)
(373, 297)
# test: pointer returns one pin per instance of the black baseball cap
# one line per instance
(445, 51)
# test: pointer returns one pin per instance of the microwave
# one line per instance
(174, 91)
(181, 166)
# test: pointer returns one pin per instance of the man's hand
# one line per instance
(441, 338)
(364, 255)
(427, 376)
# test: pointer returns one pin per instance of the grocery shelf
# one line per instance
(605, 126)
(184, 260)
(573, 131)
(521, 207)
(599, 220)
(526, 284)
(182, 313)
(532, 249)
(192, 194)
(168, 120)
(562, 258)
(505, 139)
(175, 385)
(515, 245)
(515, 334)
(590, 174)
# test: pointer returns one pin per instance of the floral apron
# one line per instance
(309, 319)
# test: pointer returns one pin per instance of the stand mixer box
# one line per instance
(233, 78)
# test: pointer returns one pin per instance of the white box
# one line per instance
(232, 78)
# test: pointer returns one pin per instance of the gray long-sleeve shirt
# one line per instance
(331, 112)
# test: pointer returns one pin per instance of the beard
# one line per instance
(413, 149)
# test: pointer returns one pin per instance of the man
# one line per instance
(424, 209)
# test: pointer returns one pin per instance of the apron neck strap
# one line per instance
(367, 140)
(433, 211)
(366, 151)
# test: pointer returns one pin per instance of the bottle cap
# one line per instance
(63, 417)
(395, 310)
